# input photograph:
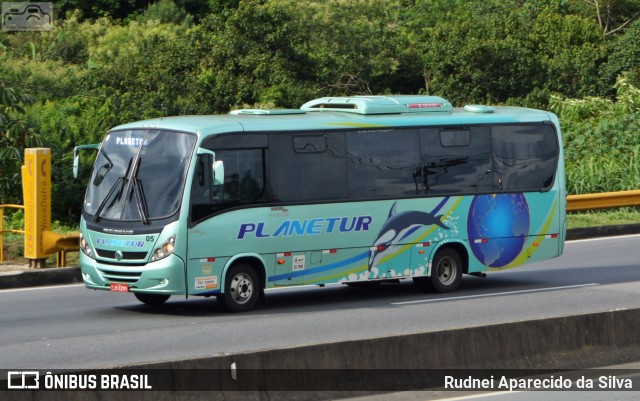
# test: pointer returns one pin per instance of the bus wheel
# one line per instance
(446, 272)
(152, 299)
(241, 288)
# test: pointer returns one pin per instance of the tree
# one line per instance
(118, 9)
(166, 11)
(255, 54)
(15, 136)
(476, 53)
(614, 15)
(571, 49)
(624, 56)
(144, 69)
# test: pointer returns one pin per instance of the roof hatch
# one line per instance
(479, 108)
(391, 104)
(266, 112)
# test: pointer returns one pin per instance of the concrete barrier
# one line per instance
(18, 278)
(397, 363)
(567, 342)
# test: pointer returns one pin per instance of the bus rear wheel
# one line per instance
(241, 289)
(446, 272)
(152, 299)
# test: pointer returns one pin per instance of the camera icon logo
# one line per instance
(27, 16)
(23, 380)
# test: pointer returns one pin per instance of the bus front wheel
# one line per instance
(152, 299)
(241, 288)
(446, 272)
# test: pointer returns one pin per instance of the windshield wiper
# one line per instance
(104, 202)
(138, 191)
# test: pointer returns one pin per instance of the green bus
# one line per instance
(349, 190)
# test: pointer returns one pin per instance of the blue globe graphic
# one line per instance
(504, 219)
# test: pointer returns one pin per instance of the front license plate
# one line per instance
(118, 287)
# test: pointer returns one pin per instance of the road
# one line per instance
(70, 327)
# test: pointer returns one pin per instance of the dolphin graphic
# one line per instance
(397, 227)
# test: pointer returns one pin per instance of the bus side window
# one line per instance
(524, 157)
(455, 160)
(243, 177)
(243, 183)
(307, 167)
(382, 163)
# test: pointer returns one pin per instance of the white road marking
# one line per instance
(495, 294)
(48, 287)
(602, 238)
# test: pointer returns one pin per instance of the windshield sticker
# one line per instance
(128, 141)
(288, 228)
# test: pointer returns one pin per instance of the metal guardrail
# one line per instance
(62, 243)
(2, 230)
(603, 200)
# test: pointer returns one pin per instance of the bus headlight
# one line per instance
(85, 247)
(164, 250)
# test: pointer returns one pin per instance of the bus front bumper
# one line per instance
(165, 276)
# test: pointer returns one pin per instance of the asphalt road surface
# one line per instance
(71, 327)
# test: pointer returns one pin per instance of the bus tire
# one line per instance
(151, 299)
(242, 288)
(446, 272)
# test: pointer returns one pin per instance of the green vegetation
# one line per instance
(109, 62)
(14, 242)
(603, 218)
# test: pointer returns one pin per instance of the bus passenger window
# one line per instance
(524, 156)
(307, 167)
(243, 182)
(456, 160)
(450, 138)
(310, 143)
(382, 163)
(244, 176)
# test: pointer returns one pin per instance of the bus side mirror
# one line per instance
(218, 172)
(76, 164)
(76, 156)
(217, 168)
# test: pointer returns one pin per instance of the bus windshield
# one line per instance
(139, 175)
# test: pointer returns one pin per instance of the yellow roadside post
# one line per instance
(39, 240)
(36, 189)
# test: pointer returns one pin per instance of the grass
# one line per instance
(603, 218)
(604, 174)
(14, 252)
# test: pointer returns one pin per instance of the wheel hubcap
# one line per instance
(446, 270)
(241, 288)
